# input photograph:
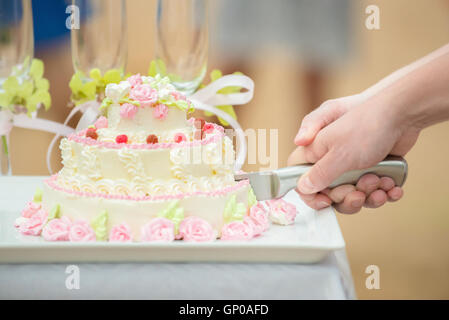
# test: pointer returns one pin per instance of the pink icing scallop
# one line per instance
(57, 229)
(194, 229)
(238, 230)
(120, 233)
(52, 183)
(159, 230)
(81, 231)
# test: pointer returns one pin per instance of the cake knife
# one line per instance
(274, 184)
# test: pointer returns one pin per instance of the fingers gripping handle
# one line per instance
(393, 167)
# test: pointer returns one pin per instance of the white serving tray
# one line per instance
(313, 236)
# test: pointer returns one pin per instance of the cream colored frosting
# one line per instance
(144, 120)
(137, 213)
(91, 165)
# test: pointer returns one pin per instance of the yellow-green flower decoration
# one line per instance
(26, 89)
(252, 200)
(92, 87)
(174, 213)
(99, 224)
(234, 211)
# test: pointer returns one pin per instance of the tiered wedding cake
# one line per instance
(145, 173)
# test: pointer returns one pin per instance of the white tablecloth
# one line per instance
(329, 279)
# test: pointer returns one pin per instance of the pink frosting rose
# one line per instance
(120, 233)
(135, 80)
(158, 229)
(160, 111)
(196, 230)
(57, 229)
(128, 110)
(34, 224)
(81, 231)
(101, 123)
(259, 216)
(238, 230)
(144, 94)
(30, 209)
(178, 95)
(281, 212)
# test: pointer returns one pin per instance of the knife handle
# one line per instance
(393, 166)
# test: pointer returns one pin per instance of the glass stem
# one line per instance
(5, 163)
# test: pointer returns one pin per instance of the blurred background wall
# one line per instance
(408, 240)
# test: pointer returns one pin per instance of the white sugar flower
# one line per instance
(115, 92)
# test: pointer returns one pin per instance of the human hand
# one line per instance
(346, 134)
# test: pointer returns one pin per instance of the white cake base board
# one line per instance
(313, 236)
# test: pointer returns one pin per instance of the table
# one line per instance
(329, 279)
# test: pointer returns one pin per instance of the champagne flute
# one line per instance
(182, 42)
(16, 53)
(101, 40)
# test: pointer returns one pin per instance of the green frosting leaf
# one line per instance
(37, 195)
(128, 100)
(55, 212)
(251, 198)
(105, 103)
(234, 211)
(174, 213)
(99, 224)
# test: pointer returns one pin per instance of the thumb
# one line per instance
(322, 173)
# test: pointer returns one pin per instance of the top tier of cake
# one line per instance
(142, 105)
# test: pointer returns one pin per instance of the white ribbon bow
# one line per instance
(8, 120)
(205, 99)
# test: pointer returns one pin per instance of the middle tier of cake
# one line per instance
(147, 169)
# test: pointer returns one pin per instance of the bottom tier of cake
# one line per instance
(231, 213)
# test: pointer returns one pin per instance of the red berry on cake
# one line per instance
(152, 138)
(122, 138)
(199, 123)
(208, 128)
(92, 133)
(180, 137)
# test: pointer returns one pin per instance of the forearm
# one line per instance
(417, 94)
